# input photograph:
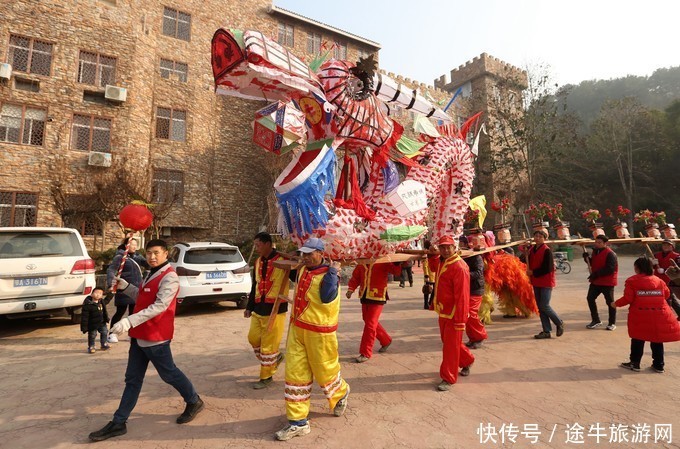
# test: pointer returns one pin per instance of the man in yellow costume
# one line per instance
(268, 283)
(312, 348)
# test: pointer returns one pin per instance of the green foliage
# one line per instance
(102, 258)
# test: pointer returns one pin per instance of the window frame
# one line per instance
(312, 41)
(288, 32)
(173, 70)
(32, 40)
(98, 69)
(177, 21)
(337, 51)
(171, 121)
(92, 118)
(156, 178)
(13, 205)
(22, 129)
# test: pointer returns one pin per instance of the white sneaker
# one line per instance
(291, 431)
(112, 338)
(611, 327)
(341, 405)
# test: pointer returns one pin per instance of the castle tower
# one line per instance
(492, 86)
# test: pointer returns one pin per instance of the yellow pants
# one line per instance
(311, 355)
(266, 344)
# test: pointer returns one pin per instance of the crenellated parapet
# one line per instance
(479, 66)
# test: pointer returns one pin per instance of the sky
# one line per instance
(578, 40)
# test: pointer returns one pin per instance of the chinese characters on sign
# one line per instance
(575, 433)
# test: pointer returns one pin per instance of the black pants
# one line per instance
(427, 297)
(608, 293)
(637, 347)
(406, 272)
(120, 311)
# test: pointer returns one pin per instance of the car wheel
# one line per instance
(75, 314)
(242, 303)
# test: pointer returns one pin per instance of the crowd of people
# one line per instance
(453, 288)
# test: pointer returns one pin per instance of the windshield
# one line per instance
(17, 245)
(213, 255)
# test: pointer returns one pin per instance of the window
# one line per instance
(168, 186)
(176, 24)
(18, 209)
(30, 55)
(340, 51)
(313, 43)
(90, 133)
(171, 124)
(88, 227)
(96, 69)
(22, 124)
(170, 69)
(285, 36)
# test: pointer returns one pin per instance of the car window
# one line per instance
(16, 245)
(212, 255)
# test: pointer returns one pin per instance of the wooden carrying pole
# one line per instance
(286, 266)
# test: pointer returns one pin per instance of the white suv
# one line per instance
(211, 272)
(43, 271)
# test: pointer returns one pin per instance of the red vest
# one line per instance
(665, 263)
(535, 262)
(161, 327)
(650, 318)
(274, 281)
(598, 261)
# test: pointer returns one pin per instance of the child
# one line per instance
(94, 319)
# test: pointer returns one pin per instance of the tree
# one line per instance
(626, 142)
(529, 132)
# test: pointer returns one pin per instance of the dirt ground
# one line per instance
(521, 393)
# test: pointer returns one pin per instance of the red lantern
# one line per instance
(137, 217)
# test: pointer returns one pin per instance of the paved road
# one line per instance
(53, 393)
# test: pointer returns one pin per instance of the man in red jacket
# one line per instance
(372, 283)
(451, 301)
(663, 261)
(604, 271)
(151, 327)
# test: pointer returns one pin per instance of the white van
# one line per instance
(43, 271)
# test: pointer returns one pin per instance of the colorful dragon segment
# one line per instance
(367, 210)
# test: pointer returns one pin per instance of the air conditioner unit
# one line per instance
(99, 159)
(115, 93)
(5, 71)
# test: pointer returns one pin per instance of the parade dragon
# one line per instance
(354, 180)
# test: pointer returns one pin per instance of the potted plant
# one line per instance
(502, 229)
(667, 229)
(621, 227)
(561, 227)
(474, 233)
(651, 227)
(537, 214)
(591, 215)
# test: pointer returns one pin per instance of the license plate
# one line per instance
(30, 282)
(216, 275)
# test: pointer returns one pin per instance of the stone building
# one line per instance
(495, 88)
(72, 150)
(171, 140)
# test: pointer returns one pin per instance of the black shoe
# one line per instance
(560, 329)
(656, 369)
(542, 335)
(465, 371)
(630, 366)
(108, 431)
(190, 412)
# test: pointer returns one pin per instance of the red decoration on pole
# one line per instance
(137, 217)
